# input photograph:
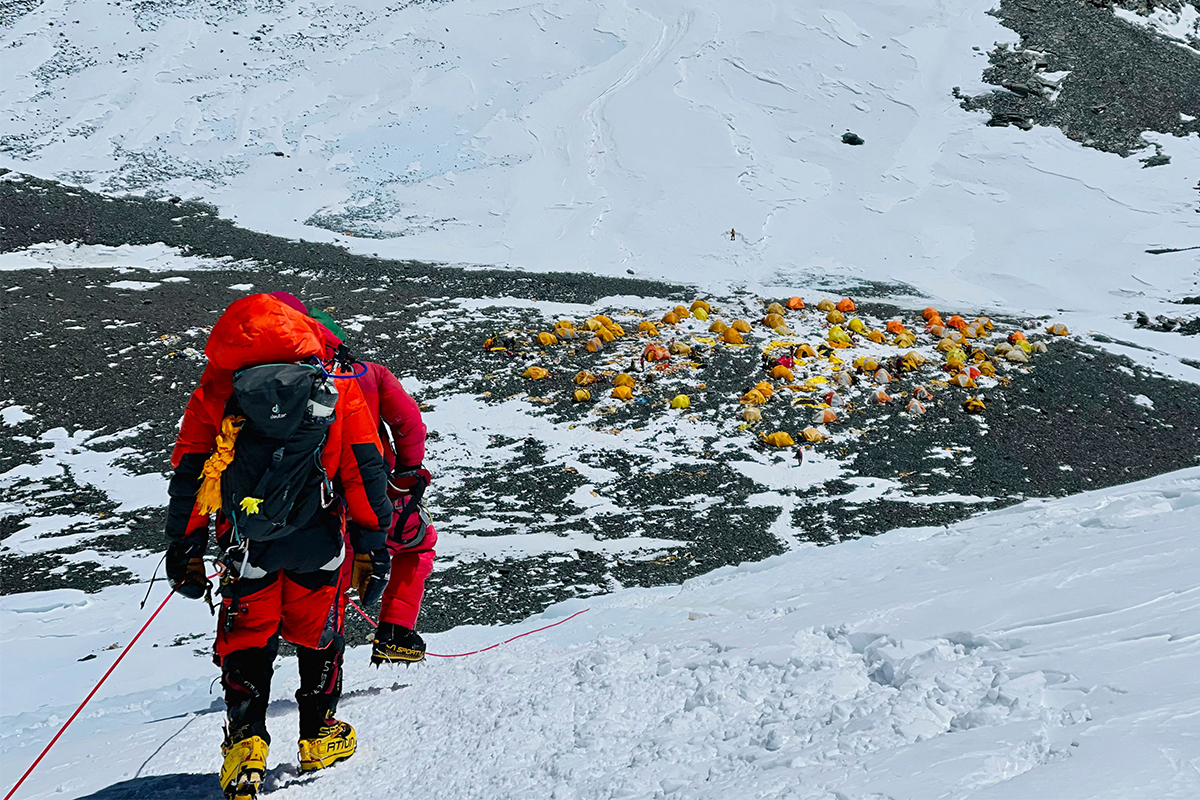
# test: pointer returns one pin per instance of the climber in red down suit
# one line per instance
(411, 536)
(285, 449)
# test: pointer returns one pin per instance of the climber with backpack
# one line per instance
(280, 443)
(411, 535)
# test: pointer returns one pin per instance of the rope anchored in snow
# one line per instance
(91, 694)
(375, 624)
(163, 605)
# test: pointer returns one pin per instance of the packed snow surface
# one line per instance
(601, 137)
(62, 255)
(1043, 651)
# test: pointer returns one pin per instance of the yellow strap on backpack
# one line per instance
(208, 499)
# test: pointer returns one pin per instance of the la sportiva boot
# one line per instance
(324, 740)
(395, 644)
(246, 677)
(244, 767)
(335, 742)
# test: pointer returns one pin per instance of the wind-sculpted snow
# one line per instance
(605, 137)
(1042, 651)
(761, 711)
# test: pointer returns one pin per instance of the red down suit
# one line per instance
(402, 431)
(302, 594)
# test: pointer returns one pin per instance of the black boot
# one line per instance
(396, 644)
(246, 678)
(324, 739)
(320, 686)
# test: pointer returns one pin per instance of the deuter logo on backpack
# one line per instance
(274, 484)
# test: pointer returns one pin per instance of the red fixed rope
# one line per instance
(163, 605)
(367, 617)
(95, 689)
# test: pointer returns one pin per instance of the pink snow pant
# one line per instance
(406, 584)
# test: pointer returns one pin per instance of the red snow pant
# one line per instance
(406, 583)
(411, 565)
(306, 609)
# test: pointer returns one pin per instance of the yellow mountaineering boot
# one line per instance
(245, 764)
(335, 743)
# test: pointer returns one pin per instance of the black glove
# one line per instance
(369, 574)
(185, 567)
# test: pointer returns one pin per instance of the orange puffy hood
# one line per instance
(259, 329)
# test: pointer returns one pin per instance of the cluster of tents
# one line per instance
(899, 366)
(841, 361)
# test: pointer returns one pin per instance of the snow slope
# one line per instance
(1044, 651)
(1047, 651)
(1179, 26)
(575, 135)
(150, 257)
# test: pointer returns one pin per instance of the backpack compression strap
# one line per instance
(251, 504)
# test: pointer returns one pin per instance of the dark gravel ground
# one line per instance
(1065, 425)
(34, 210)
(1124, 79)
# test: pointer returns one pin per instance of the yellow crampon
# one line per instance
(244, 767)
(336, 742)
(208, 499)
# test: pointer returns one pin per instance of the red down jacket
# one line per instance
(390, 405)
(386, 399)
(259, 329)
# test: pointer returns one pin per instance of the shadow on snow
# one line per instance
(189, 785)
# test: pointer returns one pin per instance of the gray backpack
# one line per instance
(276, 483)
